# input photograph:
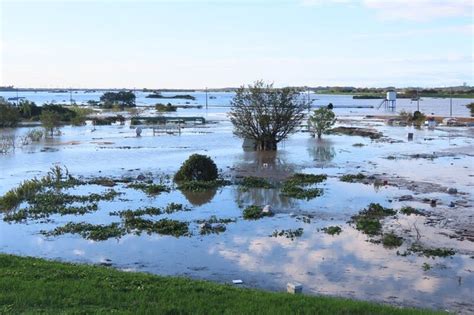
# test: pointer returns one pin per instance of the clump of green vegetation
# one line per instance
(431, 252)
(332, 230)
(9, 115)
(255, 182)
(352, 178)
(138, 212)
(24, 291)
(255, 212)
(358, 145)
(197, 168)
(175, 207)
(88, 231)
(102, 181)
(426, 266)
(410, 210)
(292, 234)
(417, 118)
(368, 220)
(296, 186)
(163, 226)
(470, 106)
(213, 219)
(297, 192)
(354, 131)
(306, 179)
(199, 186)
(57, 178)
(165, 108)
(150, 189)
(391, 240)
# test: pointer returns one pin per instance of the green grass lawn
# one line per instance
(32, 285)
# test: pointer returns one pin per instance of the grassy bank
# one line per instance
(31, 285)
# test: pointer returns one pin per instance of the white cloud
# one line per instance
(420, 10)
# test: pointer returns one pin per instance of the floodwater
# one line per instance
(346, 265)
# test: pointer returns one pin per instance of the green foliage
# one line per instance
(470, 106)
(426, 266)
(121, 99)
(296, 186)
(368, 220)
(410, 210)
(197, 168)
(431, 252)
(352, 178)
(291, 234)
(81, 114)
(33, 286)
(29, 110)
(150, 189)
(9, 116)
(321, 120)
(265, 114)
(255, 212)
(88, 231)
(50, 120)
(35, 135)
(417, 118)
(164, 226)
(332, 230)
(391, 240)
(165, 108)
(201, 186)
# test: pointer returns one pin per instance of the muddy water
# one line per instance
(342, 265)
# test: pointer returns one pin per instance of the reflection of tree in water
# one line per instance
(321, 150)
(267, 164)
(199, 198)
(260, 196)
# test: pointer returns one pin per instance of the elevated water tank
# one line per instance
(391, 96)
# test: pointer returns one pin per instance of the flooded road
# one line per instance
(347, 265)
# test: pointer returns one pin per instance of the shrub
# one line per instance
(471, 108)
(197, 168)
(255, 212)
(390, 240)
(9, 116)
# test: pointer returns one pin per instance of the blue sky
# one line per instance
(194, 44)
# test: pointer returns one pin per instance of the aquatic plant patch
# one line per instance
(198, 186)
(391, 240)
(291, 234)
(352, 178)
(289, 189)
(150, 189)
(255, 212)
(410, 210)
(368, 220)
(354, 131)
(332, 230)
(138, 225)
(94, 232)
(431, 252)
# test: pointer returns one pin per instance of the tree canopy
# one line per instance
(321, 120)
(266, 115)
(121, 98)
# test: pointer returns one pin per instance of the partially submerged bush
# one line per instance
(431, 252)
(9, 116)
(165, 108)
(296, 186)
(255, 212)
(391, 240)
(351, 178)
(197, 168)
(332, 230)
(201, 186)
(88, 231)
(470, 106)
(410, 210)
(368, 220)
(291, 234)
(150, 189)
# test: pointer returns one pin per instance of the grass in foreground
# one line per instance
(31, 285)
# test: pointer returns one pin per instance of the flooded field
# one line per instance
(113, 169)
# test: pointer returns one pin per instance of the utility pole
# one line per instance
(206, 97)
(70, 96)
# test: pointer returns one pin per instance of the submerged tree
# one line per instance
(266, 115)
(50, 120)
(321, 120)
